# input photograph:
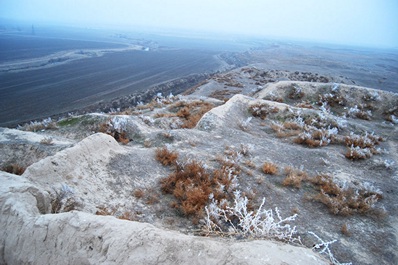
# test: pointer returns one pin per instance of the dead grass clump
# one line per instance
(291, 126)
(344, 200)
(126, 216)
(305, 105)
(109, 128)
(35, 126)
(364, 115)
(332, 99)
(190, 112)
(261, 110)
(47, 141)
(362, 147)
(151, 198)
(358, 153)
(295, 92)
(184, 113)
(344, 230)
(138, 193)
(366, 141)
(224, 94)
(166, 157)
(14, 168)
(273, 97)
(191, 185)
(317, 137)
(270, 168)
(250, 164)
(102, 210)
(294, 177)
(287, 129)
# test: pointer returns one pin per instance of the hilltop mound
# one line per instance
(322, 155)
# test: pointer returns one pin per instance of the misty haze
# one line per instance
(100, 101)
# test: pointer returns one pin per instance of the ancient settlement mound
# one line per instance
(233, 172)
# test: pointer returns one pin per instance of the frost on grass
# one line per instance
(64, 200)
(323, 248)
(237, 219)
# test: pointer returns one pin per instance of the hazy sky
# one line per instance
(364, 22)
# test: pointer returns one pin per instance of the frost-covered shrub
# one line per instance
(148, 120)
(361, 147)
(244, 125)
(361, 114)
(316, 138)
(296, 92)
(235, 218)
(323, 247)
(35, 126)
(117, 128)
(343, 198)
(63, 200)
(372, 96)
(261, 110)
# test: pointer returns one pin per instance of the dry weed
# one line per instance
(14, 168)
(294, 177)
(166, 157)
(270, 168)
(261, 110)
(344, 200)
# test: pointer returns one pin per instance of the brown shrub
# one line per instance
(166, 157)
(250, 164)
(138, 193)
(126, 216)
(363, 115)
(261, 110)
(14, 169)
(191, 112)
(343, 201)
(291, 126)
(294, 177)
(107, 128)
(191, 186)
(358, 153)
(270, 168)
(184, 113)
(344, 230)
(152, 198)
(295, 92)
(366, 141)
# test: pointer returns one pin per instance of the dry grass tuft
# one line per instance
(344, 200)
(191, 186)
(294, 177)
(362, 147)
(138, 193)
(166, 157)
(261, 110)
(108, 128)
(270, 168)
(191, 112)
(295, 92)
(14, 169)
(344, 230)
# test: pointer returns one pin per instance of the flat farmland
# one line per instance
(37, 94)
(25, 47)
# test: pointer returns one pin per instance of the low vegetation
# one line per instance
(14, 168)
